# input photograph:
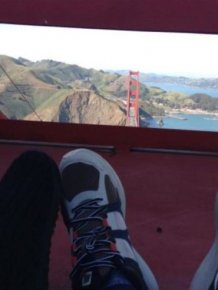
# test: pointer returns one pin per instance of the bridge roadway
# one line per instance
(131, 121)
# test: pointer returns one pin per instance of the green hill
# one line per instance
(20, 89)
(204, 102)
(43, 85)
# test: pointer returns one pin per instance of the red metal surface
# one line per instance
(119, 137)
(151, 15)
(170, 197)
(169, 212)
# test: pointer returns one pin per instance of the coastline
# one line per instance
(191, 112)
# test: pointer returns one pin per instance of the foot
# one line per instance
(94, 210)
(29, 200)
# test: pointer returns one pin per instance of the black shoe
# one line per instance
(94, 210)
(29, 201)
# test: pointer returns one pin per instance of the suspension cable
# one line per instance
(20, 92)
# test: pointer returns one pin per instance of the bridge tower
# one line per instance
(132, 113)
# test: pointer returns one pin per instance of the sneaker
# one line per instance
(29, 201)
(206, 276)
(94, 211)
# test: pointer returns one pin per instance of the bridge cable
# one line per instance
(20, 92)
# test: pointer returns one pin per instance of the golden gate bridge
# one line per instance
(132, 112)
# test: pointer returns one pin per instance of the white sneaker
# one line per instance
(94, 210)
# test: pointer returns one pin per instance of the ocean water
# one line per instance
(191, 122)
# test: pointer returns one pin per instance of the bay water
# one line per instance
(188, 90)
(185, 121)
(199, 122)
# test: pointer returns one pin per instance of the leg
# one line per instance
(29, 200)
(94, 211)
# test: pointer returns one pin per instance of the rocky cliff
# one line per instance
(86, 107)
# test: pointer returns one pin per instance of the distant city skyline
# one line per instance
(174, 54)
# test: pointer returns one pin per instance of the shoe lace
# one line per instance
(92, 242)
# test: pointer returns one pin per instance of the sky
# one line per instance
(179, 54)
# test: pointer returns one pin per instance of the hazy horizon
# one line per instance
(171, 54)
(116, 70)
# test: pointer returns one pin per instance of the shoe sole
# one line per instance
(89, 157)
(207, 270)
(147, 274)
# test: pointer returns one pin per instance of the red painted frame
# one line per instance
(181, 212)
(114, 137)
(151, 15)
